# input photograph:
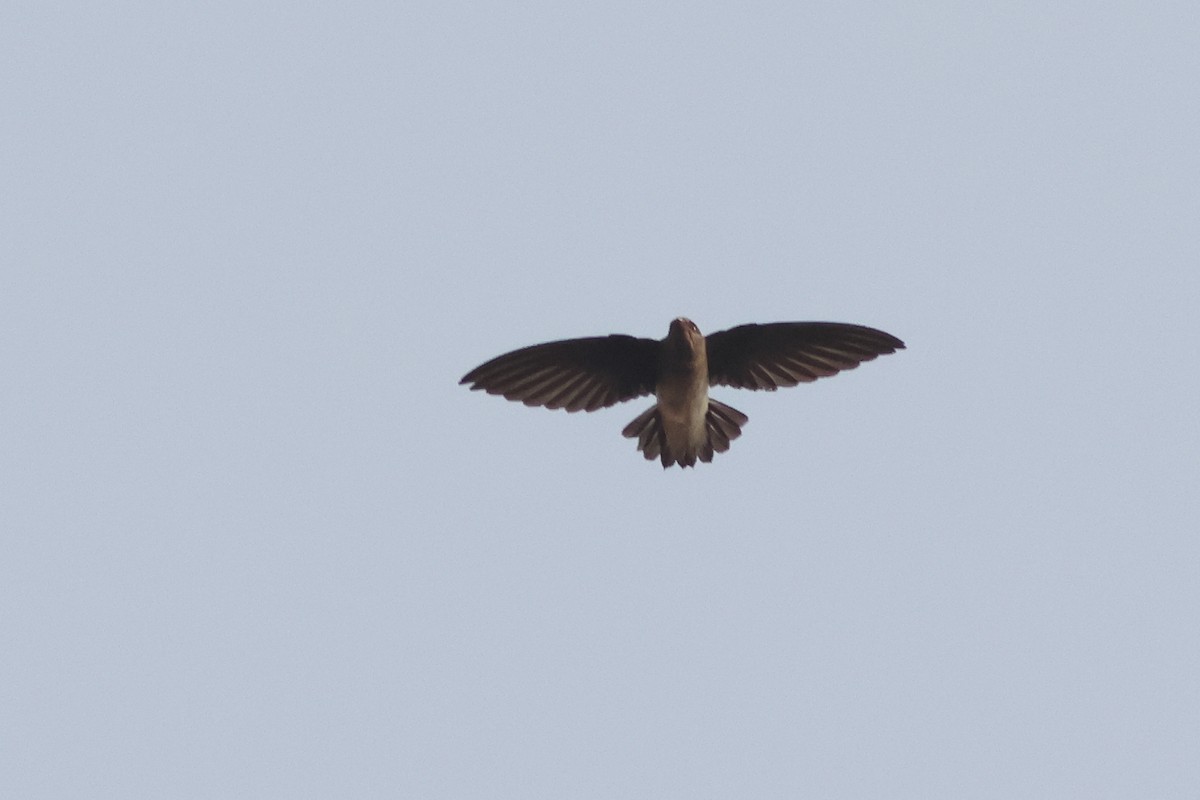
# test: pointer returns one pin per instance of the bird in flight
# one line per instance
(685, 424)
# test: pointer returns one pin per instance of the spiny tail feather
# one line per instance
(722, 424)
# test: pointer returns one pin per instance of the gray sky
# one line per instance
(257, 542)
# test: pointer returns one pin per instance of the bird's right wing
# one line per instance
(787, 353)
(575, 374)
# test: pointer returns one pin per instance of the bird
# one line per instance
(684, 424)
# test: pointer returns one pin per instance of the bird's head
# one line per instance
(684, 335)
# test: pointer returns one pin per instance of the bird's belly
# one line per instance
(682, 405)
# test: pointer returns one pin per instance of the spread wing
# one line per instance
(788, 353)
(575, 374)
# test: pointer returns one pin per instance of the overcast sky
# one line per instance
(257, 542)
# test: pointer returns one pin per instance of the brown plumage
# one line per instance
(684, 425)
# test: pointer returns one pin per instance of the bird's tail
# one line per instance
(722, 424)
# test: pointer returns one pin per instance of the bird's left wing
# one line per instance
(575, 374)
(787, 353)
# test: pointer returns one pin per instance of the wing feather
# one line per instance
(784, 354)
(575, 374)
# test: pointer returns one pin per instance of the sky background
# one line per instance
(257, 542)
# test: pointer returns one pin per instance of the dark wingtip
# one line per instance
(885, 338)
